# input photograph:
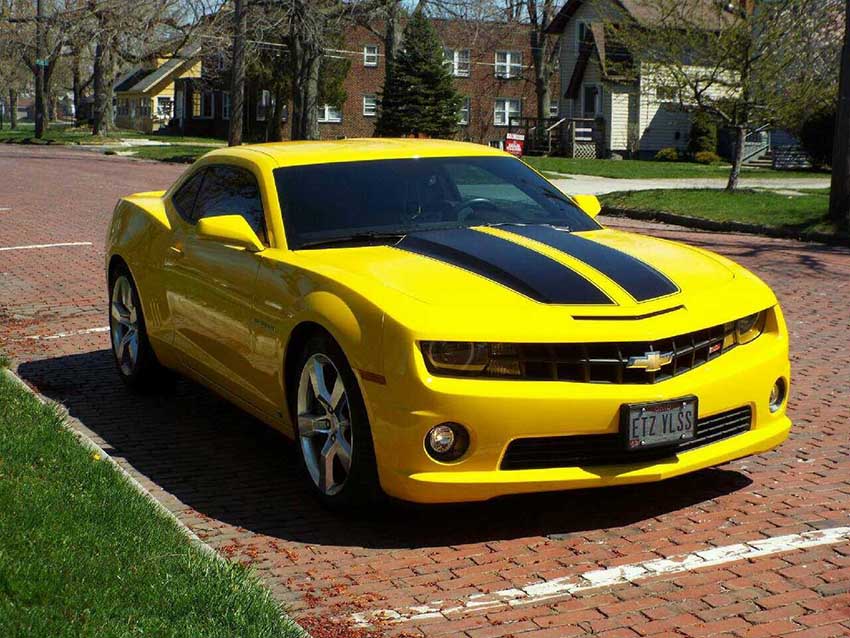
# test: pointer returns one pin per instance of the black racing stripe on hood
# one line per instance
(521, 269)
(637, 278)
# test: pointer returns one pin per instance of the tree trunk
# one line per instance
(99, 115)
(839, 194)
(39, 69)
(13, 109)
(737, 158)
(305, 97)
(237, 75)
(275, 124)
(392, 37)
(77, 88)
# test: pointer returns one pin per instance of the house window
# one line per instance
(508, 64)
(264, 104)
(202, 104)
(458, 59)
(164, 108)
(370, 55)
(463, 118)
(506, 110)
(583, 32)
(328, 113)
(370, 106)
(225, 105)
(591, 100)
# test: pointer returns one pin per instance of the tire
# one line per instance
(332, 429)
(134, 358)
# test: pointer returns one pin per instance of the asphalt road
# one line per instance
(764, 539)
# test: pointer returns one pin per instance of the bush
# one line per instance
(668, 154)
(707, 157)
(816, 136)
(703, 136)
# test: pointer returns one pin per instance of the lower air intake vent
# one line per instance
(610, 449)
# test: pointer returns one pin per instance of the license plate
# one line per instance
(654, 424)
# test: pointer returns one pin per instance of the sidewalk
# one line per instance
(592, 185)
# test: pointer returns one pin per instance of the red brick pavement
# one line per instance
(233, 481)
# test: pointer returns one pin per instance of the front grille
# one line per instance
(607, 362)
(610, 449)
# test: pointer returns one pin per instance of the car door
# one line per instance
(211, 284)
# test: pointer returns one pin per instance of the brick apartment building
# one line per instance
(490, 63)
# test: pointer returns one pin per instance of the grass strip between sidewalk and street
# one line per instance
(177, 153)
(83, 553)
(649, 169)
(804, 213)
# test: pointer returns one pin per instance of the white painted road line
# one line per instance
(568, 585)
(40, 246)
(62, 335)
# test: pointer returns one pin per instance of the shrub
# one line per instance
(707, 157)
(703, 136)
(816, 136)
(668, 154)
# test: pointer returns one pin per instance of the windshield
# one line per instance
(380, 200)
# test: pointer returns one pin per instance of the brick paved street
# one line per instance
(233, 482)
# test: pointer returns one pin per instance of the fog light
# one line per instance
(777, 395)
(447, 441)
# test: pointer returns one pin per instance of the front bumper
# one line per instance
(498, 411)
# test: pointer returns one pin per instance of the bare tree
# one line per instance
(839, 195)
(726, 59)
(545, 48)
(237, 73)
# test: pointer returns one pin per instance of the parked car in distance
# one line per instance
(437, 322)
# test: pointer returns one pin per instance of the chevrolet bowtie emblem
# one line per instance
(650, 361)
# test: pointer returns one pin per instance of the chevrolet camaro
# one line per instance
(437, 322)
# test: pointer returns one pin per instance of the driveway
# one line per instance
(759, 547)
(592, 185)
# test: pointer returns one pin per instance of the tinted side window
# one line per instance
(184, 198)
(229, 190)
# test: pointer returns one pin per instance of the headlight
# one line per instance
(749, 327)
(456, 356)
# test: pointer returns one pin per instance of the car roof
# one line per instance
(357, 149)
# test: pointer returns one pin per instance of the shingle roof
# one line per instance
(708, 14)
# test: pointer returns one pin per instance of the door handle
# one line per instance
(176, 251)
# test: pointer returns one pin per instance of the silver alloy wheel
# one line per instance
(324, 424)
(124, 325)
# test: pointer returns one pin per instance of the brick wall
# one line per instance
(481, 85)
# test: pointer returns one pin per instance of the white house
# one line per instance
(624, 115)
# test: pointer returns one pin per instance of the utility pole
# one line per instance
(839, 193)
(237, 73)
(40, 63)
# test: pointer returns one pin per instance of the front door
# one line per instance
(211, 285)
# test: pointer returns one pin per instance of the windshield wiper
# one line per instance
(355, 238)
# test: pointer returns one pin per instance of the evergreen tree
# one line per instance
(419, 97)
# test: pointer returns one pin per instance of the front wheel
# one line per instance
(333, 431)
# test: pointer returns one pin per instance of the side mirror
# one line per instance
(588, 203)
(232, 230)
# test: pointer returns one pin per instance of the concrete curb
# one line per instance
(728, 227)
(91, 446)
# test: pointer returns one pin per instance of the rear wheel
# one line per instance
(334, 438)
(134, 357)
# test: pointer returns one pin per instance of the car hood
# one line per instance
(540, 274)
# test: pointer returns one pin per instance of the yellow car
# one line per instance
(437, 322)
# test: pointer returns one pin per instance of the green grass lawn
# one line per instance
(804, 212)
(648, 169)
(82, 554)
(63, 134)
(179, 153)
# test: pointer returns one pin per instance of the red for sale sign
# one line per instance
(514, 143)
